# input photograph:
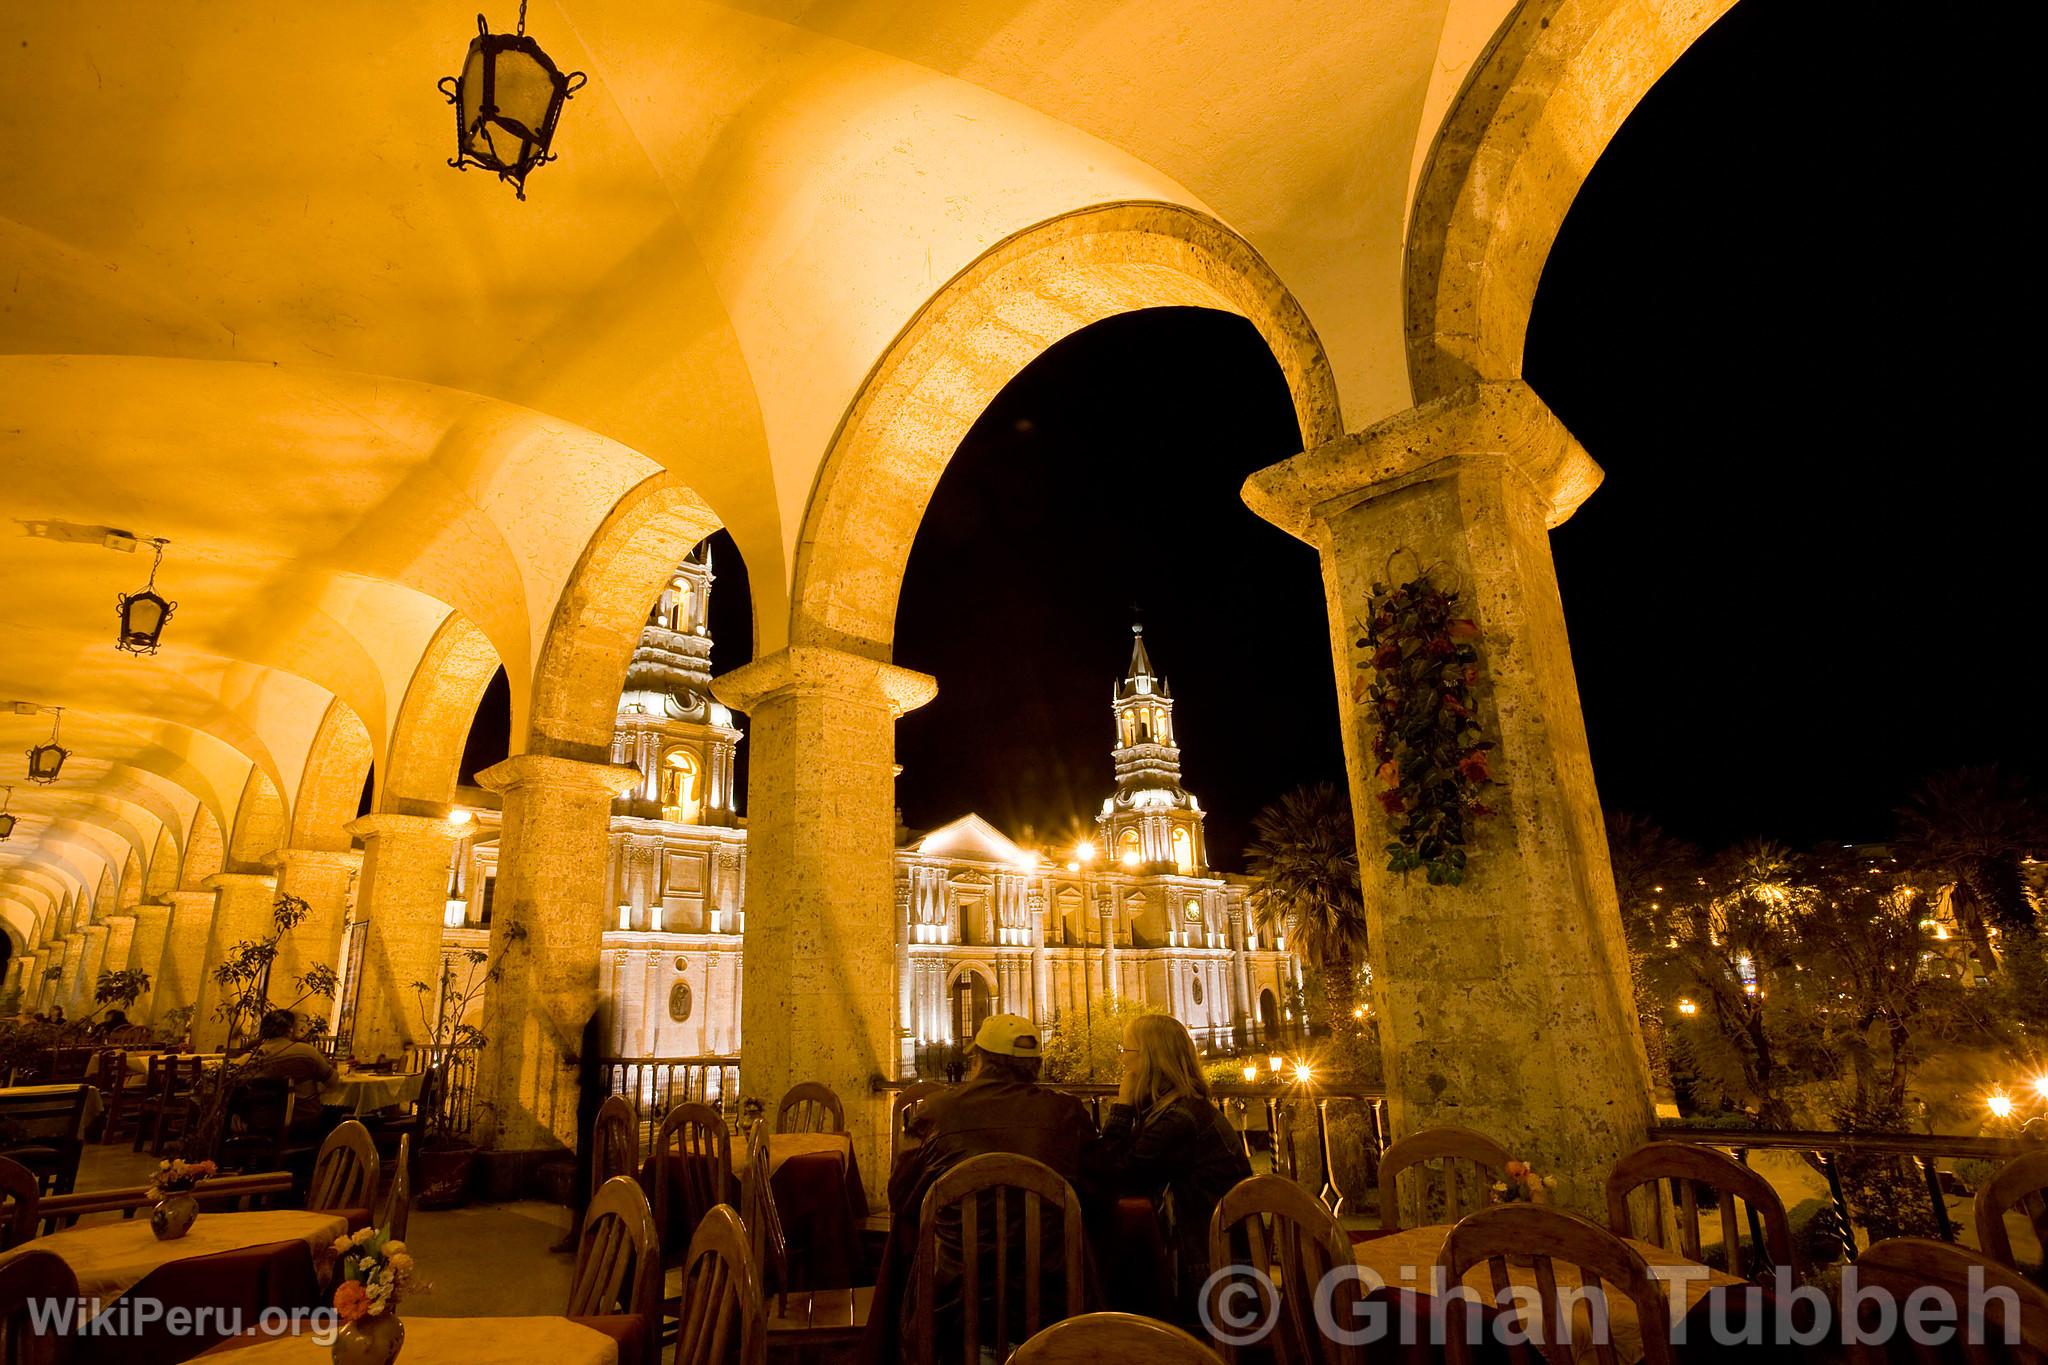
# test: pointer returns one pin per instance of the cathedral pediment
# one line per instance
(975, 840)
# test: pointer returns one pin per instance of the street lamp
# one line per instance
(1275, 1062)
(2000, 1105)
(1251, 1069)
(506, 102)
(144, 614)
(2040, 1081)
(46, 761)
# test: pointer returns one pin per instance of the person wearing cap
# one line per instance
(1000, 1108)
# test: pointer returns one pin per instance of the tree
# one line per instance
(1976, 825)
(1303, 863)
(1650, 869)
(1082, 1046)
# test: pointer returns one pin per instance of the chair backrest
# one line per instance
(763, 1221)
(1472, 1163)
(68, 1063)
(1680, 1167)
(719, 1317)
(614, 1142)
(55, 1117)
(1014, 1187)
(398, 1208)
(130, 1035)
(259, 1108)
(19, 1194)
(1271, 1224)
(693, 1165)
(810, 1107)
(24, 1279)
(345, 1174)
(1125, 1338)
(1904, 1266)
(2021, 1184)
(1543, 1239)
(618, 1260)
(903, 1109)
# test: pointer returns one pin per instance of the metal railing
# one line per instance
(451, 1089)
(655, 1085)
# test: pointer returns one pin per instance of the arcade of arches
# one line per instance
(401, 429)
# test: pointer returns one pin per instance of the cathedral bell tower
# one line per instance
(1151, 823)
(669, 726)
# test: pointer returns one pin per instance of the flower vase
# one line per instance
(173, 1216)
(369, 1341)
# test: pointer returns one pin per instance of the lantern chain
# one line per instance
(522, 17)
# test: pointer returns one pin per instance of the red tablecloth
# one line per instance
(630, 1334)
(821, 1201)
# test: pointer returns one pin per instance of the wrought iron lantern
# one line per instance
(506, 102)
(6, 820)
(46, 761)
(144, 614)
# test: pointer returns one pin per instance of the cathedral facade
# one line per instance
(983, 924)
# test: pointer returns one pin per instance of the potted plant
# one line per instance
(174, 1187)
(446, 1159)
(371, 1271)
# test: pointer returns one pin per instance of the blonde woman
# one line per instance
(1165, 1139)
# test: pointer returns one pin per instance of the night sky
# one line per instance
(1810, 579)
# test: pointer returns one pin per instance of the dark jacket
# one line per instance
(1185, 1157)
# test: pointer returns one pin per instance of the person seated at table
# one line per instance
(1165, 1139)
(1000, 1108)
(278, 1053)
(115, 1021)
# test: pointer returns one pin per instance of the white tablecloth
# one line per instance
(138, 1062)
(363, 1092)
(111, 1258)
(473, 1341)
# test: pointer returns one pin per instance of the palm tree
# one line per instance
(1303, 863)
(1976, 824)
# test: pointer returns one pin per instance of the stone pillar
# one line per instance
(322, 878)
(15, 968)
(146, 952)
(120, 942)
(403, 893)
(90, 960)
(64, 990)
(818, 1000)
(184, 956)
(551, 910)
(244, 903)
(1504, 1003)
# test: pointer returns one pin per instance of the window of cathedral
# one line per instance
(681, 783)
(1127, 850)
(1183, 850)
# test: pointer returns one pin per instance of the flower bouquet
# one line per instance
(370, 1271)
(172, 1186)
(1523, 1186)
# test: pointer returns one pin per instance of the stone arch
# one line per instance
(162, 878)
(433, 721)
(332, 787)
(205, 852)
(260, 823)
(602, 610)
(1542, 102)
(130, 894)
(971, 339)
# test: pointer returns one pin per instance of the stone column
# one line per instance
(90, 960)
(322, 879)
(1504, 1003)
(244, 902)
(146, 952)
(64, 990)
(184, 955)
(818, 999)
(551, 910)
(403, 893)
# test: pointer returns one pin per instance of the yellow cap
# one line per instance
(1008, 1035)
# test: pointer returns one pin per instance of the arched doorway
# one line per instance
(1269, 1018)
(970, 998)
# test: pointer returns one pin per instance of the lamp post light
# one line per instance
(46, 761)
(144, 614)
(507, 99)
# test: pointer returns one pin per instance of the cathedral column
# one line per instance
(906, 987)
(243, 905)
(552, 909)
(403, 894)
(184, 955)
(1526, 958)
(1041, 987)
(819, 995)
(146, 953)
(322, 879)
(1242, 1008)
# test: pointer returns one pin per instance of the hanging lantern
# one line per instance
(143, 614)
(46, 761)
(6, 820)
(506, 102)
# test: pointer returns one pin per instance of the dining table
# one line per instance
(474, 1341)
(137, 1063)
(366, 1092)
(64, 1090)
(1402, 1278)
(225, 1272)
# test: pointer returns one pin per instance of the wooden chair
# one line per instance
(614, 1142)
(53, 1122)
(1302, 1245)
(693, 1165)
(803, 1320)
(961, 1192)
(809, 1107)
(2021, 1184)
(161, 1109)
(124, 1094)
(25, 1279)
(130, 1036)
(346, 1173)
(1686, 1168)
(1605, 1265)
(1478, 1158)
(68, 1064)
(255, 1133)
(618, 1261)
(903, 1110)
(720, 1319)
(1125, 1338)
(1904, 1265)
(398, 1208)
(20, 1193)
